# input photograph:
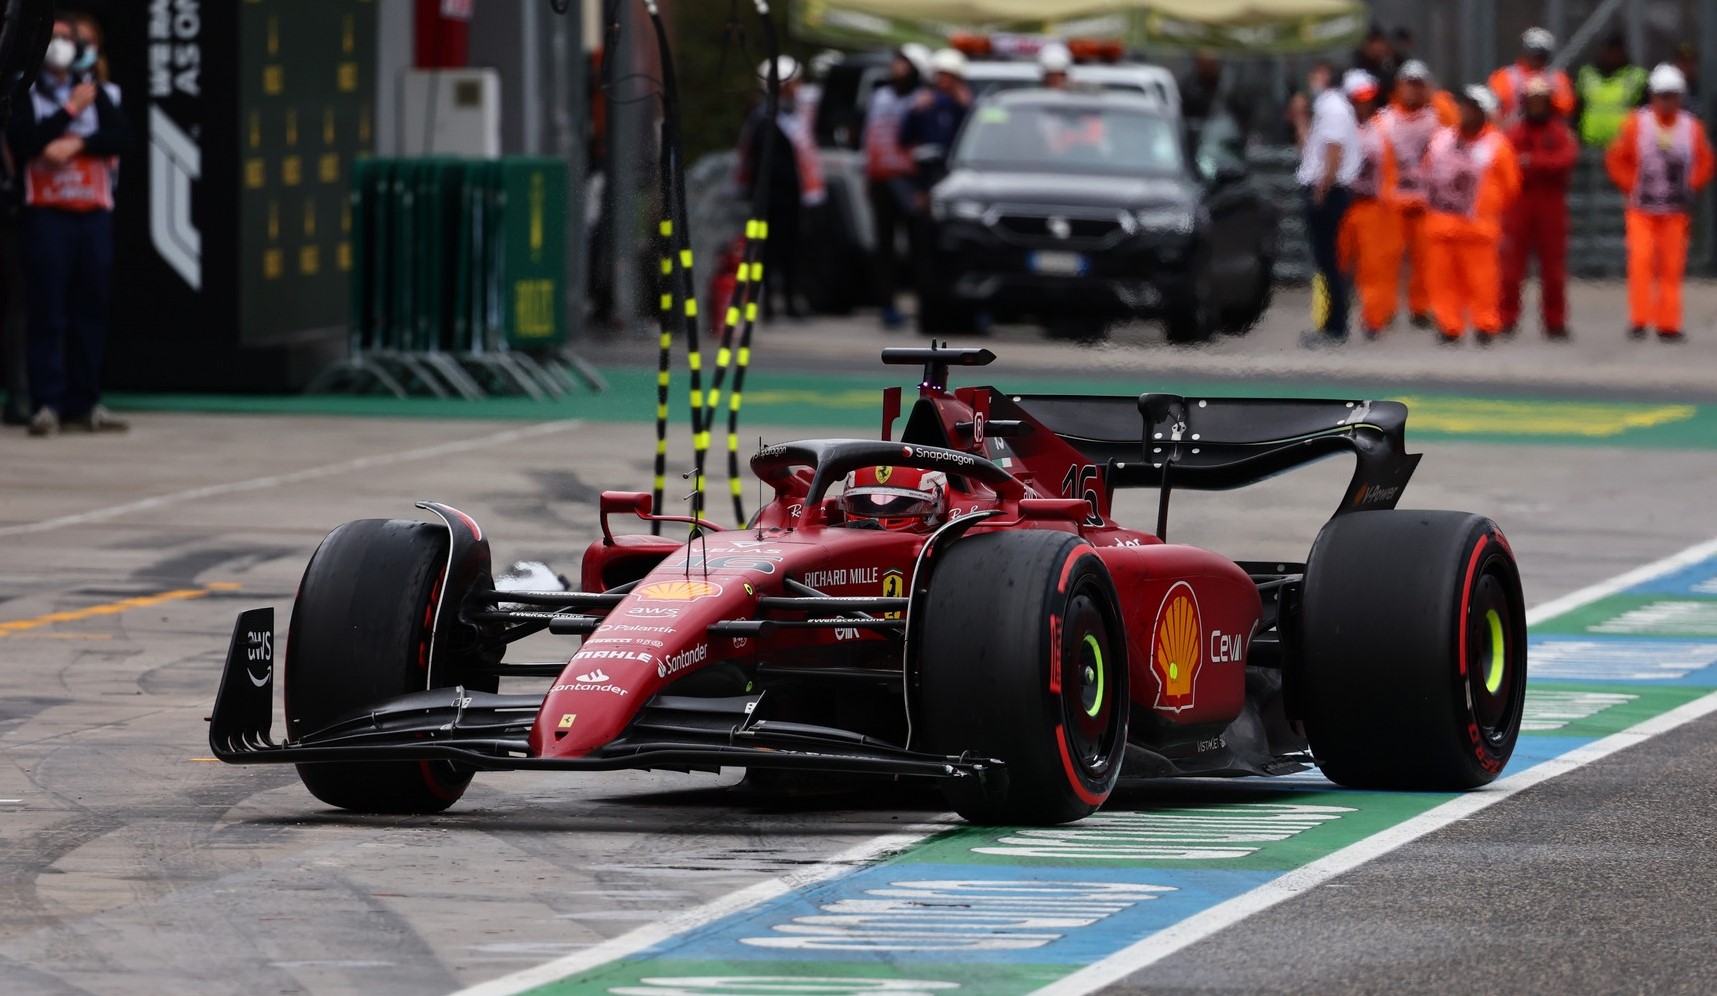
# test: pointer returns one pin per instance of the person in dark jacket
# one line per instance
(67, 145)
(928, 131)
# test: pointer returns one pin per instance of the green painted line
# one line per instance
(852, 402)
(711, 977)
(1574, 709)
(1690, 616)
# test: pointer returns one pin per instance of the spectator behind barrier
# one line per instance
(68, 143)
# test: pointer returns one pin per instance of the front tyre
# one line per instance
(1023, 658)
(360, 633)
(1413, 650)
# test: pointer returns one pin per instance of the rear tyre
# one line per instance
(360, 633)
(1024, 659)
(1414, 650)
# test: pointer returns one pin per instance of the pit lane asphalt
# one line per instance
(129, 865)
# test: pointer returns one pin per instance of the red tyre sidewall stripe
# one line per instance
(1467, 598)
(1073, 780)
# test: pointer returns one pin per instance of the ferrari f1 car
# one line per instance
(954, 602)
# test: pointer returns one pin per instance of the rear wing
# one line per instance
(1218, 444)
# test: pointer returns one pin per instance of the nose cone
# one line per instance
(657, 635)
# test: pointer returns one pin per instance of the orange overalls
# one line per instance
(1659, 165)
(1368, 247)
(1409, 134)
(1509, 85)
(1472, 182)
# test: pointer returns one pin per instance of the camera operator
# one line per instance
(68, 147)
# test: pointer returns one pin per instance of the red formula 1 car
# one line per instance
(954, 603)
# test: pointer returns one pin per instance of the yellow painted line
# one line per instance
(113, 608)
(1589, 420)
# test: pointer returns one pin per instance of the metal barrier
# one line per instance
(458, 280)
(1597, 242)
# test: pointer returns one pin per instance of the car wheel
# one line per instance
(1190, 317)
(360, 633)
(1413, 650)
(1024, 659)
(1240, 319)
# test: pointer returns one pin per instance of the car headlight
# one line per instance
(962, 210)
(1177, 221)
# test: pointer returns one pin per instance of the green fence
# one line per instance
(458, 278)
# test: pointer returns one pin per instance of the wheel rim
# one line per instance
(1494, 662)
(1090, 714)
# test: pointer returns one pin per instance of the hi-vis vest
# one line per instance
(1456, 169)
(1369, 182)
(83, 184)
(1665, 159)
(884, 158)
(1608, 101)
(1410, 134)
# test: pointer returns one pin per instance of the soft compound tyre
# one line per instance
(360, 633)
(1413, 636)
(1023, 658)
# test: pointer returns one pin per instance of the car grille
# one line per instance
(1039, 230)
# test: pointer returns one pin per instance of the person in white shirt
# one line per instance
(1329, 163)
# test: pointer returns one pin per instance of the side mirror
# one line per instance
(639, 503)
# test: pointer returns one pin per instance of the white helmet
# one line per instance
(1483, 97)
(1538, 40)
(950, 61)
(1054, 57)
(785, 65)
(1667, 79)
(1359, 84)
(1414, 69)
(919, 56)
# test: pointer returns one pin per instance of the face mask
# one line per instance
(61, 52)
(86, 59)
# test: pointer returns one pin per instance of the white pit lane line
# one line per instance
(277, 480)
(1155, 947)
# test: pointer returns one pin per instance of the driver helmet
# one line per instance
(896, 497)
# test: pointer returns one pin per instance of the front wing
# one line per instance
(489, 731)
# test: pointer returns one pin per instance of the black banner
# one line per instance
(230, 219)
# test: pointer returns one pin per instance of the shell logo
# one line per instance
(678, 591)
(1177, 648)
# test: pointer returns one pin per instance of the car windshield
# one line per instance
(1074, 138)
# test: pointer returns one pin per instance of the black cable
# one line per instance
(750, 285)
(679, 285)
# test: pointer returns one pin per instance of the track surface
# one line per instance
(130, 865)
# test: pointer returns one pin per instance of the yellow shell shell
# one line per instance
(1179, 638)
(677, 591)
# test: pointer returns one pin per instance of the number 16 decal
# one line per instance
(1084, 482)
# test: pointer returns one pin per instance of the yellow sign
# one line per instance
(566, 721)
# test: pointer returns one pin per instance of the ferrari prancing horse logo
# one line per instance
(1177, 648)
(883, 474)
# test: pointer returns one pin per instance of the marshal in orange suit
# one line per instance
(1473, 178)
(1660, 160)
(1369, 245)
(1412, 117)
